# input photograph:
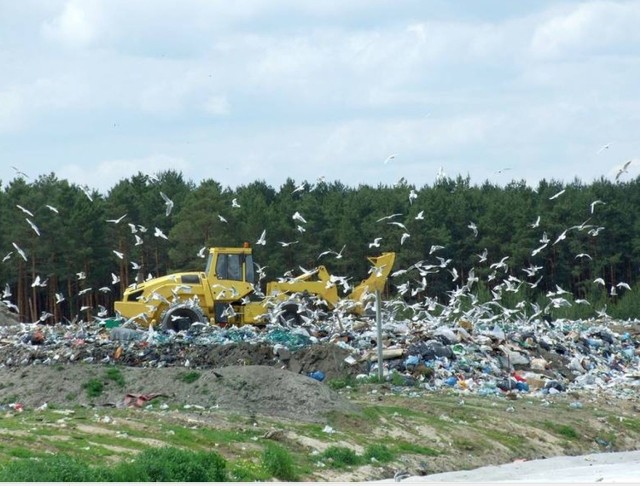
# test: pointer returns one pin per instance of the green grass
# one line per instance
(565, 431)
(188, 376)
(412, 448)
(93, 388)
(114, 374)
(379, 452)
(277, 461)
(339, 457)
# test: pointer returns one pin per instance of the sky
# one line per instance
(358, 91)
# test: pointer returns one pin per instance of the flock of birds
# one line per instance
(499, 279)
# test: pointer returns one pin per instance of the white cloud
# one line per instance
(78, 25)
(588, 27)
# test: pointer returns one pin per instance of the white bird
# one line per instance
(135, 266)
(167, 202)
(158, 232)
(337, 254)
(114, 278)
(584, 255)
(604, 147)
(55, 210)
(397, 223)
(85, 189)
(234, 203)
(420, 215)
(299, 188)
(593, 204)
(435, 248)
(141, 228)
(20, 173)
(301, 228)
(116, 221)
(33, 226)
(119, 254)
(389, 217)
(104, 290)
(623, 285)
(139, 240)
(472, 226)
(222, 218)
(7, 291)
(36, 281)
(613, 292)
(536, 223)
(599, 280)
(412, 196)
(376, 243)
(287, 243)
(81, 275)
(25, 211)
(84, 291)
(595, 231)
(201, 252)
(558, 194)
(298, 217)
(59, 298)
(561, 237)
(262, 240)
(623, 169)
(19, 250)
(7, 256)
(404, 237)
(391, 157)
(482, 256)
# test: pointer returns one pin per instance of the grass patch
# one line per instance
(247, 471)
(379, 452)
(511, 441)
(339, 457)
(628, 423)
(93, 388)
(188, 376)
(411, 448)
(115, 374)
(565, 431)
(278, 462)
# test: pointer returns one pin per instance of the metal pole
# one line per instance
(379, 326)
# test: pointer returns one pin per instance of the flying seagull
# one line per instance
(262, 240)
(25, 211)
(593, 204)
(557, 194)
(19, 250)
(391, 157)
(116, 221)
(234, 203)
(222, 218)
(158, 232)
(52, 208)
(298, 217)
(167, 202)
(623, 169)
(33, 226)
(376, 242)
(85, 189)
(201, 252)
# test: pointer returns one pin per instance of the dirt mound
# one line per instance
(7, 318)
(248, 390)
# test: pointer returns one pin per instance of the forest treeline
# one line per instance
(81, 248)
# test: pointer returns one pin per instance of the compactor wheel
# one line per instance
(181, 317)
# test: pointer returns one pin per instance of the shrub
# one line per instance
(59, 468)
(114, 374)
(341, 456)
(93, 387)
(278, 462)
(378, 451)
(170, 464)
(189, 376)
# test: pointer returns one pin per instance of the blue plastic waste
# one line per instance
(451, 381)
(522, 386)
(317, 375)
(412, 360)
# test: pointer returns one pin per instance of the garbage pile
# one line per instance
(484, 358)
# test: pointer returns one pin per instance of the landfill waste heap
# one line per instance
(419, 355)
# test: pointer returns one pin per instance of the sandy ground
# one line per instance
(612, 467)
